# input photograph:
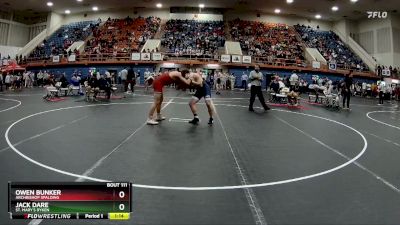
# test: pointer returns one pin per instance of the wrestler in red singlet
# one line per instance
(161, 81)
(164, 79)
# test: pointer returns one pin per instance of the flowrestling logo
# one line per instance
(377, 14)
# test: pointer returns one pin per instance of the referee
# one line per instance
(255, 79)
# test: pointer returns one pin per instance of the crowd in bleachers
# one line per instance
(63, 38)
(190, 37)
(122, 35)
(331, 47)
(266, 40)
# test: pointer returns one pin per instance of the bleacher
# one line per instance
(122, 35)
(331, 48)
(269, 40)
(191, 37)
(61, 39)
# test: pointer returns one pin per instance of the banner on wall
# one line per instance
(225, 58)
(56, 59)
(72, 58)
(332, 66)
(236, 58)
(386, 72)
(246, 59)
(135, 56)
(145, 56)
(196, 16)
(316, 64)
(157, 57)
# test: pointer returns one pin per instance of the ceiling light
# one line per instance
(67, 11)
(318, 16)
(277, 11)
(201, 5)
(95, 8)
(335, 8)
(289, 1)
(159, 5)
(353, 0)
(79, 0)
(50, 4)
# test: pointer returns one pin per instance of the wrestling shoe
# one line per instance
(151, 122)
(211, 121)
(194, 121)
(160, 118)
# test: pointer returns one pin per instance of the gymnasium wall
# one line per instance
(36, 29)
(19, 35)
(375, 36)
(4, 27)
(238, 72)
(165, 15)
(199, 17)
(8, 51)
(13, 33)
(104, 15)
(286, 19)
(396, 40)
(54, 20)
(345, 27)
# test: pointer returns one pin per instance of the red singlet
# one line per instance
(161, 81)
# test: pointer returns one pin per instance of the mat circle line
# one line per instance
(6, 135)
(12, 107)
(378, 121)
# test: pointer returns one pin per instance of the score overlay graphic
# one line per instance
(71, 200)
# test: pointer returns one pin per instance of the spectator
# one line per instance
(64, 81)
(193, 38)
(7, 81)
(271, 42)
(244, 81)
(62, 39)
(331, 47)
(124, 76)
(1, 80)
(127, 35)
(92, 86)
(105, 85)
(293, 80)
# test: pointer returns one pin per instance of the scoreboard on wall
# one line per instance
(72, 200)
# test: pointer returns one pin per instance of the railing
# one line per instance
(199, 57)
(277, 63)
(280, 62)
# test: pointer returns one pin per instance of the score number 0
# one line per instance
(121, 195)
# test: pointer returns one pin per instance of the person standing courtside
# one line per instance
(244, 81)
(123, 76)
(348, 81)
(255, 79)
(130, 80)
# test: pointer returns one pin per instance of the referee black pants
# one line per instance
(256, 91)
(346, 97)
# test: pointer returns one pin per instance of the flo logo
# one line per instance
(377, 15)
